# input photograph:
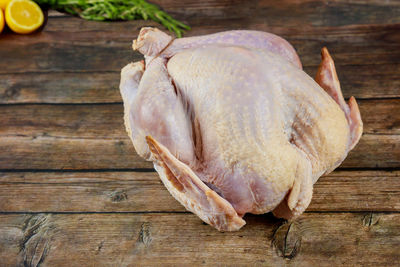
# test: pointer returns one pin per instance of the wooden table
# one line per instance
(73, 192)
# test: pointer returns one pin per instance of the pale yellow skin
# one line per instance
(232, 123)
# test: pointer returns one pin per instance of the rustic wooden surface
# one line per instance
(74, 193)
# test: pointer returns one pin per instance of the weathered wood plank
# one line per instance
(51, 153)
(367, 81)
(144, 192)
(61, 87)
(380, 116)
(93, 47)
(361, 81)
(93, 137)
(357, 191)
(106, 120)
(290, 13)
(90, 46)
(69, 121)
(375, 151)
(101, 46)
(171, 239)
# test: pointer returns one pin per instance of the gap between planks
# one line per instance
(186, 212)
(119, 103)
(152, 170)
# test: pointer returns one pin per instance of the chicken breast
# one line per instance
(233, 124)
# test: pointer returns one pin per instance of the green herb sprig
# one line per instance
(117, 10)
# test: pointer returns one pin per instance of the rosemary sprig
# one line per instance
(117, 10)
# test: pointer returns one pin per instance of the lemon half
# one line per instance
(23, 16)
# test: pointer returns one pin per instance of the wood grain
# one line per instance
(167, 239)
(69, 121)
(52, 153)
(374, 151)
(144, 192)
(60, 87)
(290, 13)
(105, 121)
(367, 56)
(93, 137)
(361, 81)
(89, 46)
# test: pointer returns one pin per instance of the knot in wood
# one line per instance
(118, 196)
(287, 240)
(35, 244)
(145, 234)
(370, 219)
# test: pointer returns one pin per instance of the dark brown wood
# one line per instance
(144, 192)
(277, 13)
(106, 120)
(169, 239)
(68, 121)
(374, 151)
(94, 46)
(51, 153)
(361, 81)
(357, 191)
(367, 81)
(289, 13)
(367, 56)
(94, 137)
(380, 116)
(60, 87)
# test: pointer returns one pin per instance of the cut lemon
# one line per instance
(1, 20)
(3, 4)
(23, 16)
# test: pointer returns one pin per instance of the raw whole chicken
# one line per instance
(233, 124)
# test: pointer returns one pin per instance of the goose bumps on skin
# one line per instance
(233, 124)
